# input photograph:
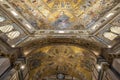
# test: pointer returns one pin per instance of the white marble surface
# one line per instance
(4, 65)
(116, 65)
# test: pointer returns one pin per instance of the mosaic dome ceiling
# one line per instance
(61, 59)
(49, 19)
(62, 14)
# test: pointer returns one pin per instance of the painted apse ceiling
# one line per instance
(47, 62)
(62, 14)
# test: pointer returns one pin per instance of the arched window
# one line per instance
(115, 29)
(2, 19)
(109, 35)
(13, 34)
(6, 28)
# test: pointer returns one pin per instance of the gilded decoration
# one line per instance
(70, 60)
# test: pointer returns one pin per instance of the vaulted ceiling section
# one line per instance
(26, 20)
(56, 35)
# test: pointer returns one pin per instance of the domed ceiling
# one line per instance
(59, 59)
(62, 14)
(64, 60)
(26, 20)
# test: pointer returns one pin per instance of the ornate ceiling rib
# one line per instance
(51, 41)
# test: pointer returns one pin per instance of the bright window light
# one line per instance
(61, 32)
(109, 35)
(13, 34)
(109, 46)
(109, 15)
(14, 13)
(28, 26)
(13, 46)
(94, 27)
(2, 19)
(115, 29)
(99, 67)
(22, 67)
